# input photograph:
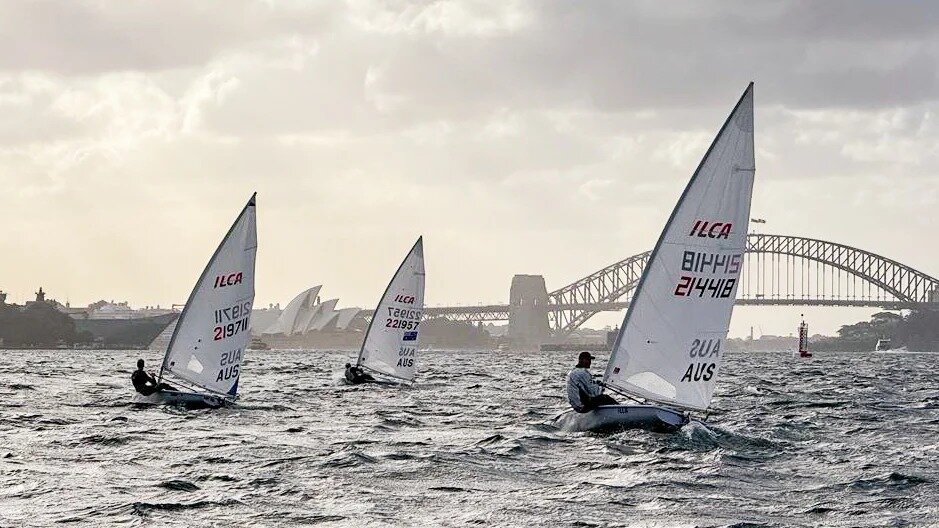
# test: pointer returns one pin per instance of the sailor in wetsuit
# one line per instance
(583, 393)
(357, 374)
(145, 383)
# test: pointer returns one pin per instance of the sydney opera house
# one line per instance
(308, 321)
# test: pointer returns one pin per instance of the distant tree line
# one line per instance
(918, 330)
(38, 324)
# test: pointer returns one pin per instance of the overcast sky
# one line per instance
(517, 137)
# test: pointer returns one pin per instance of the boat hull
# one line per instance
(185, 399)
(376, 381)
(609, 418)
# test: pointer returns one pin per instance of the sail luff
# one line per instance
(180, 321)
(713, 160)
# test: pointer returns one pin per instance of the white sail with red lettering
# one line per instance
(211, 334)
(672, 340)
(390, 345)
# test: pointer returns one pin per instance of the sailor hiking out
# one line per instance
(356, 375)
(145, 383)
(583, 393)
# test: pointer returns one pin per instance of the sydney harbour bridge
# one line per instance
(778, 270)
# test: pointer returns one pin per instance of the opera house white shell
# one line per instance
(305, 313)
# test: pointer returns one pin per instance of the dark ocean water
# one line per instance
(838, 440)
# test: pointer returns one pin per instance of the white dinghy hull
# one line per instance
(376, 381)
(184, 399)
(608, 418)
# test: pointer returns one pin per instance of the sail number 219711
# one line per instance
(231, 329)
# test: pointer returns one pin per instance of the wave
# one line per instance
(98, 439)
(451, 489)
(144, 509)
(178, 485)
(347, 459)
(490, 440)
(317, 519)
(398, 420)
(893, 480)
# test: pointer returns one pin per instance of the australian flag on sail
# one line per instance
(410, 336)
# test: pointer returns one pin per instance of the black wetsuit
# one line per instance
(356, 375)
(146, 384)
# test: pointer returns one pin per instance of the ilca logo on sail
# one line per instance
(229, 279)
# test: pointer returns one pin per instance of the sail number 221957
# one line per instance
(403, 318)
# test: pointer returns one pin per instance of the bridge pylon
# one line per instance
(528, 311)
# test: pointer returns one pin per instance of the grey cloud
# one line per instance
(611, 55)
(88, 37)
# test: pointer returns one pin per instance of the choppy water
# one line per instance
(840, 440)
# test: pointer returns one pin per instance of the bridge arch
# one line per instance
(843, 276)
(900, 281)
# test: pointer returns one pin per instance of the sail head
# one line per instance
(672, 340)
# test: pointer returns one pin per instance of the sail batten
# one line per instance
(212, 332)
(391, 341)
(671, 342)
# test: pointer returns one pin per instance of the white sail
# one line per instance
(390, 346)
(672, 340)
(212, 331)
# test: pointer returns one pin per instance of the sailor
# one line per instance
(145, 383)
(356, 375)
(583, 393)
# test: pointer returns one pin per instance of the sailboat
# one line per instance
(389, 349)
(668, 353)
(209, 338)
